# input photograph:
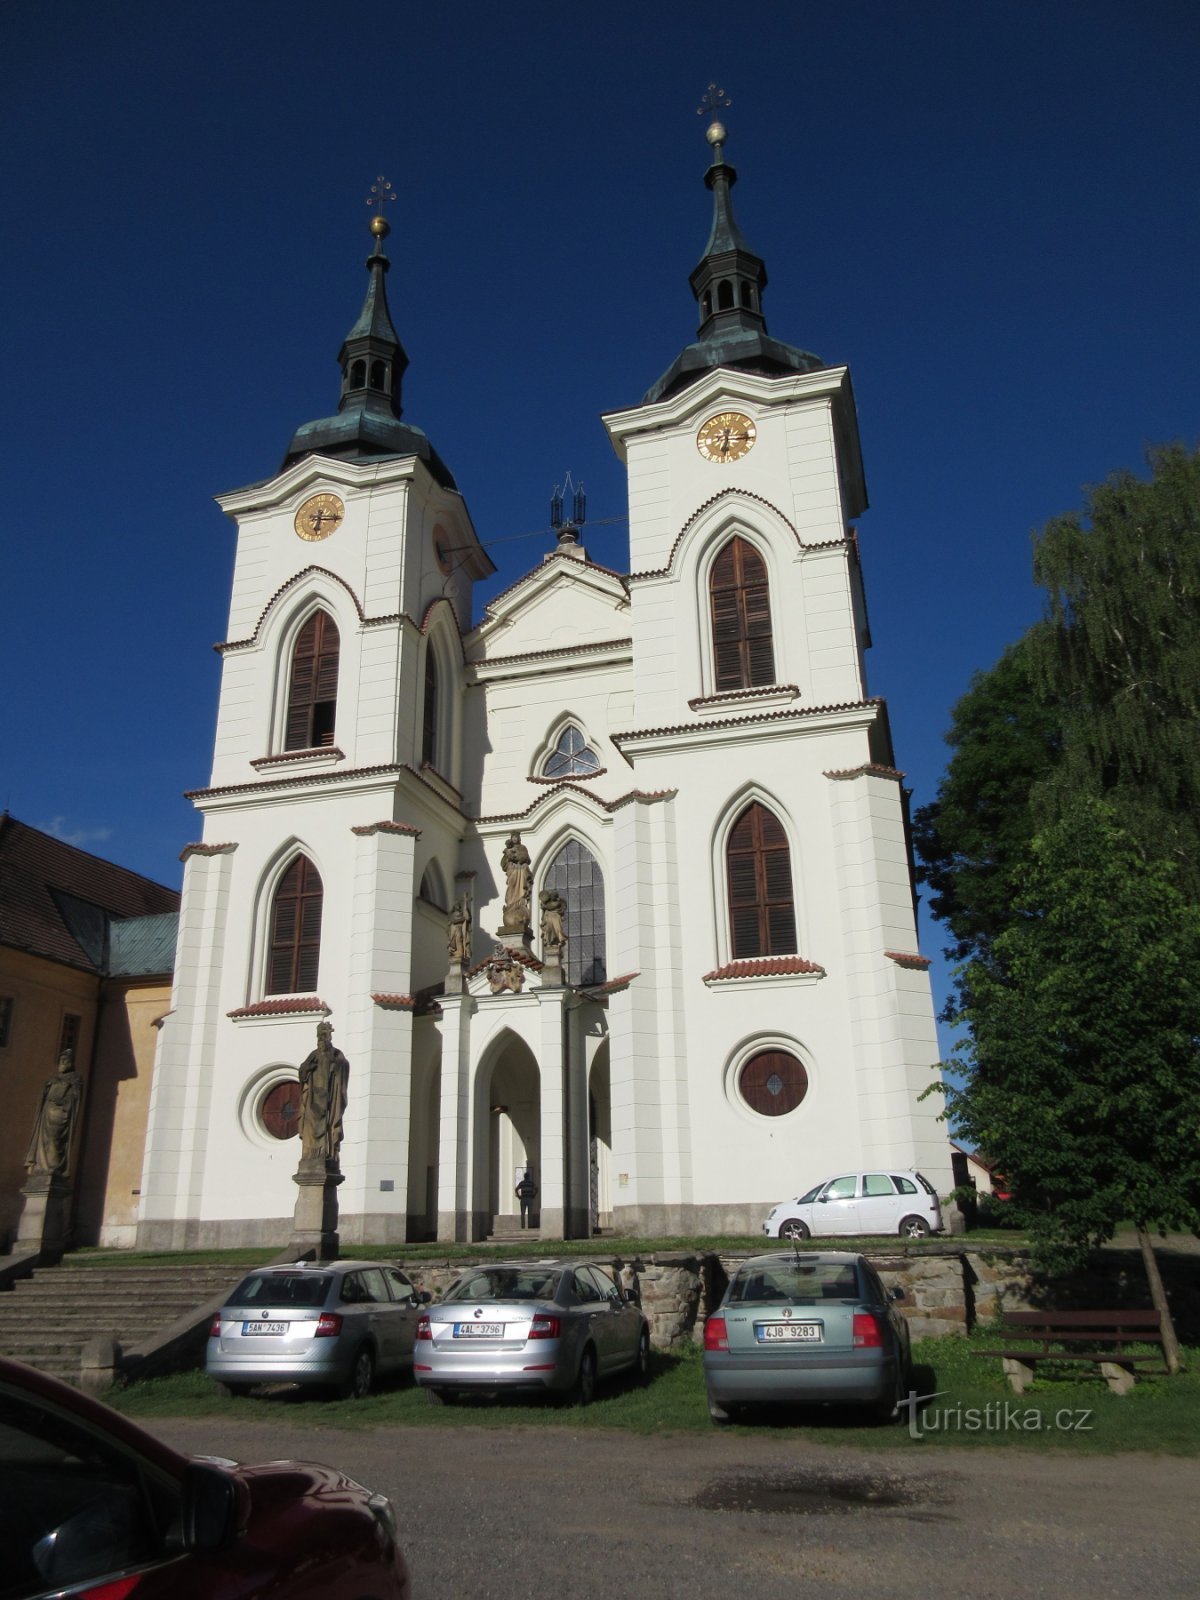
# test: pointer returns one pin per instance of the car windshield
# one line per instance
(807, 1199)
(505, 1283)
(795, 1280)
(304, 1289)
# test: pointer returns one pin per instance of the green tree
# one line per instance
(1119, 654)
(976, 835)
(1082, 1070)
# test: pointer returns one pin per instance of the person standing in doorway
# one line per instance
(526, 1193)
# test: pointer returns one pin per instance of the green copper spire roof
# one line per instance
(373, 362)
(728, 284)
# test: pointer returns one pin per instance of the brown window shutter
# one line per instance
(758, 866)
(295, 951)
(312, 689)
(740, 606)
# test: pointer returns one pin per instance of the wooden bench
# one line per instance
(1111, 1330)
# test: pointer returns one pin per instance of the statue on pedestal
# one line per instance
(323, 1078)
(49, 1149)
(458, 930)
(554, 909)
(518, 885)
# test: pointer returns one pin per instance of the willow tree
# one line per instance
(1119, 653)
(1081, 1074)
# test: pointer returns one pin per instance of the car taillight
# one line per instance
(868, 1335)
(424, 1331)
(214, 1331)
(329, 1325)
(116, 1590)
(716, 1334)
(544, 1326)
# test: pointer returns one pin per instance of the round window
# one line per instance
(773, 1083)
(280, 1110)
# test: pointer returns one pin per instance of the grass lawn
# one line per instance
(601, 1248)
(973, 1407)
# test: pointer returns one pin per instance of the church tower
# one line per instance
(331, 819)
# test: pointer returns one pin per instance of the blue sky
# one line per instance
(988, 210)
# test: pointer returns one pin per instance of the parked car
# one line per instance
(94, 1506)
(858, 1203)
(538, 1326)
(807, 1327)
(336, 1326)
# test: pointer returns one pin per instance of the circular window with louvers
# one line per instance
(280, 1110)
(773, 1083)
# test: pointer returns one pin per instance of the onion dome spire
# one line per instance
(372, 362)
(728, 285)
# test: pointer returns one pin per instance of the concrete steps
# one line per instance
(47, 1320)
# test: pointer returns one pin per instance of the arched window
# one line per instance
(378, 375)
(724, 295)
(312, 690)
(740, 601)
(758, 866)
(429, 713)
(296, 931)
(575, 874)
(571, 757)
(773, 1083)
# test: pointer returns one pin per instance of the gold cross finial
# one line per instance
(381, 193)
(714, 100)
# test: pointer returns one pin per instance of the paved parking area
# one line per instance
(502, 1515)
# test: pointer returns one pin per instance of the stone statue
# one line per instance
(458, 930)
(323, 1077)
(518, 885)
(504, 971)
(554, 909)
(50, 1145)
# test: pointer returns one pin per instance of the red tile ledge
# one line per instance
(769, 967)
(909, 958)
(291, 1005)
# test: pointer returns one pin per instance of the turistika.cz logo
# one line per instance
(998, 1416)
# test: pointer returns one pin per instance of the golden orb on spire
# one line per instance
(380, 226)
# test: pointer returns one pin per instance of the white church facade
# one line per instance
(687, 753)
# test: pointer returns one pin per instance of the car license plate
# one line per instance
(478, 1330)
(786, 1332)
(251, 1328)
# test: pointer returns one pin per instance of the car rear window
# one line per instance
(925, 1184)
(505, 1283)
(304, 1289)
(795, 1281)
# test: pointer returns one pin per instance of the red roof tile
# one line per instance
(768, 967)
(287, 1005)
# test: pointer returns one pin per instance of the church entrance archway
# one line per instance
(508, 1139)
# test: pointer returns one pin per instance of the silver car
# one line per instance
(336, 1325)
(807, 1328)
(540, 1326)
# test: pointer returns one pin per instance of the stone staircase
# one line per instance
(47, 1320)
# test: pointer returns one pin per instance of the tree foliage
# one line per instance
(1119, 653)
(973, 838)
(1082, 1071)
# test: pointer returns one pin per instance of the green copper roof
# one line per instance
(728, 284)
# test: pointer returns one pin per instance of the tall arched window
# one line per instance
(740, 601)
(312, 688)
(575, 874)
(295, 950)
(758, 866)
(429, 714)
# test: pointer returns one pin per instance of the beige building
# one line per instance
(86, 952)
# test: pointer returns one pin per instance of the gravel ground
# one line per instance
(503, 1515)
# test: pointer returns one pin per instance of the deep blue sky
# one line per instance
(988, 210)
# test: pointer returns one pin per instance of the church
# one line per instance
(611, 885)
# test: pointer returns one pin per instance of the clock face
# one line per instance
(319, 516)
(726, 437)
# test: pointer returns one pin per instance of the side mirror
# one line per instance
(897, 1293)
(423, 1297)
(214, 1507)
